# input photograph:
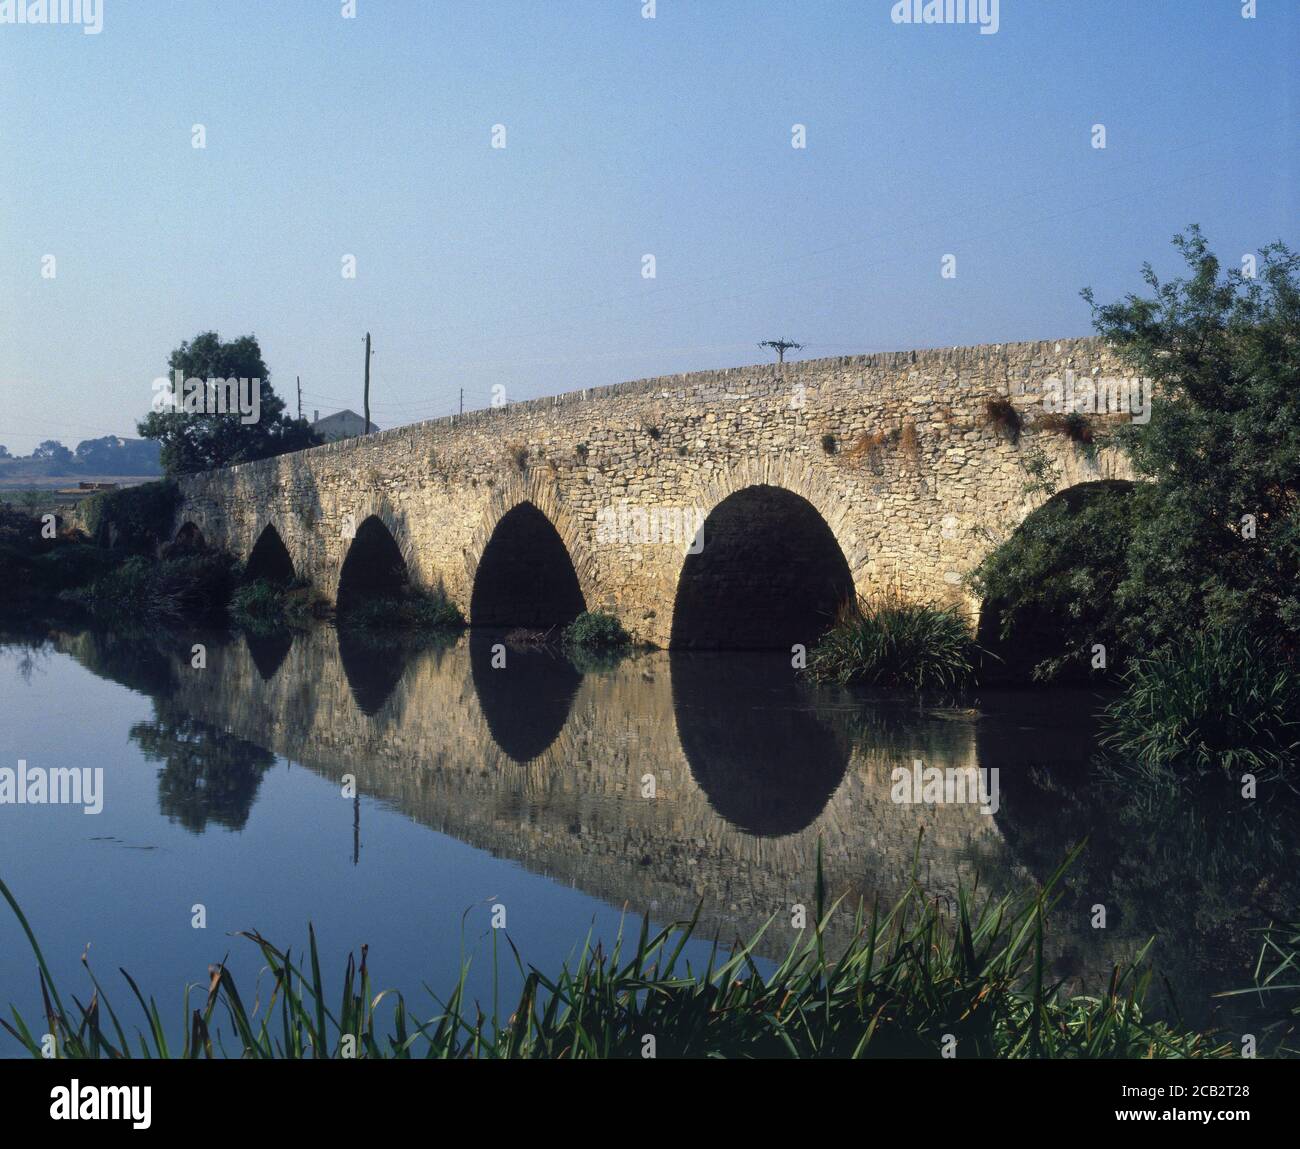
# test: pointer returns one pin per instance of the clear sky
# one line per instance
(625, 136)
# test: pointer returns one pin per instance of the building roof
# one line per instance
(342, 419)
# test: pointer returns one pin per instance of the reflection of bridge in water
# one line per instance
(546, 766)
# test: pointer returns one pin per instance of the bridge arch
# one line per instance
(770, 570)
(270, 559)
(189, 536)
(374, 565)
(1054, 598)
(527, 564)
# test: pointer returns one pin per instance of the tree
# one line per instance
(1210, 540)
(199, 440)
(113, 455)
(53, 451)
(1222, 448)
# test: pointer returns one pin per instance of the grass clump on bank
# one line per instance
(409, 610)
(907, 983)
(1219, 704)
(895, 645)
(263, 604)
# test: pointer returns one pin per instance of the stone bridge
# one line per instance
(728, 508)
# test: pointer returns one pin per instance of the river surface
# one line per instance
(568, 795)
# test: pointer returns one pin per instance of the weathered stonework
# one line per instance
(895, 452)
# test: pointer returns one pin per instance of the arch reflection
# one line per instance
(527, 701)
(767, 760)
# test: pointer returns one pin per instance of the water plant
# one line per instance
(1221, 703)
(266, 604)
(909, 981)
(895, 645)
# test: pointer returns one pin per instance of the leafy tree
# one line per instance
(1210, 539)
(200, 441)
(53, 451)
(1222, 547)
(1050, 591)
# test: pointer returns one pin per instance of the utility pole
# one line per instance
(462, 400)
(300, 398)
(781, 346)
(366, 429)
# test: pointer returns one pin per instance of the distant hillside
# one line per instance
(111, 455)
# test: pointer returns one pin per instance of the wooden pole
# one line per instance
(366, 429)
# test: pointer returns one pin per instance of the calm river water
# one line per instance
(566, 794)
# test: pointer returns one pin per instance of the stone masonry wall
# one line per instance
(895, 452)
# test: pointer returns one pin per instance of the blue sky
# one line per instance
(522, 266)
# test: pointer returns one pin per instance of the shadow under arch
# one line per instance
(526, 576)
(769, 574)
(526, 702)
(1041, 628)
(373, 567)
(766, 760)
(269, 558)
(188, 538)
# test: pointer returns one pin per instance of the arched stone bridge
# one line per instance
(890, 472)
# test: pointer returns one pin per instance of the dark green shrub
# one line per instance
(70, 565)
(896, 646)
(1058, 586)
(191, 588)
(1220, 703)
(140, 517)
(263, 603)
(1222, 445)
(596, 630)
(409, 611)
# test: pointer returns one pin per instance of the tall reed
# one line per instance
(910, 982)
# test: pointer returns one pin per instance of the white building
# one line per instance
(340, 425)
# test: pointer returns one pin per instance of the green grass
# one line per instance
(263, 605)
(1222, 703)
(408, 611)
(909, 981)
(895, 645)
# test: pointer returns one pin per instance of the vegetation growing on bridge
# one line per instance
(910, 982)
